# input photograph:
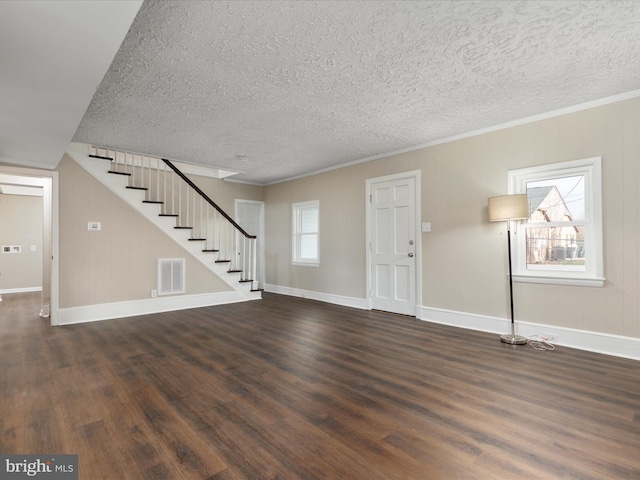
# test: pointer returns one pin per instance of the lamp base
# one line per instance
(513, 339)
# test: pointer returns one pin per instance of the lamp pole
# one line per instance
(512, 339)
(508, 208)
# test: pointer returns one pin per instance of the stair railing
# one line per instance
(178, 196)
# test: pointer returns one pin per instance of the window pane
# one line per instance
(557, 200)
(309, 246)
(309, 220)
(561, 246)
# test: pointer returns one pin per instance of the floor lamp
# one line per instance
(505, 209)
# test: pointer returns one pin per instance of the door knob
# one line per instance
(411, 254)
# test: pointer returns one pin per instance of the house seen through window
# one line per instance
(555, 228)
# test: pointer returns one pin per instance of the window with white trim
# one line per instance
(561, 241)
(306, 233)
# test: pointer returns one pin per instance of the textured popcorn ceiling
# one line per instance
(301, 86)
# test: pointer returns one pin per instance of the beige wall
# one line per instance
(464, 256)
(225, 193)
(21, 224)
(118, 263)
(342, 223)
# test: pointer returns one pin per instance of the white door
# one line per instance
(393, 244)
(250, 216)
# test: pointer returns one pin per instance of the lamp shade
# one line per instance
(508, 207)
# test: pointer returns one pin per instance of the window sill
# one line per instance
(578, 282)
(305, 264)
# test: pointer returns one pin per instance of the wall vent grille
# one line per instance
(171, 276)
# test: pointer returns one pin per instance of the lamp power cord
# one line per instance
(541, 343)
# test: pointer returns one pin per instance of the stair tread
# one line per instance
(153, 201)
(136, 188)
(100, 156)
(119, 173)
(234, 271)
(197, 239)
(209, 250)
(223, 261)
(168, 215)
(183, 228)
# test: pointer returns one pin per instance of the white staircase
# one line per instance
(182, 211)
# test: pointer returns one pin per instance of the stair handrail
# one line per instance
(206, 198)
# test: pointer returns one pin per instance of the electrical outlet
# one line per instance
(548, 337)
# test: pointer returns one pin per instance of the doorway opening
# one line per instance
(45, 183)
(250, 216)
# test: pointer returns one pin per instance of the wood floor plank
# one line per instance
(12, 420)
(183, 446)
(289, 388)
(98, 455)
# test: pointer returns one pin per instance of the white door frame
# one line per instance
(415, 174)
(261, 240)
(48, 180)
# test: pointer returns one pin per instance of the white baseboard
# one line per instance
(616, 345)
(106, 311)
(20, 290)
(352, 302)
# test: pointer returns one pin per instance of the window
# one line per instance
(306, 228)
(561, 241)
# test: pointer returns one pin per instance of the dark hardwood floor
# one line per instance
(296, 389)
